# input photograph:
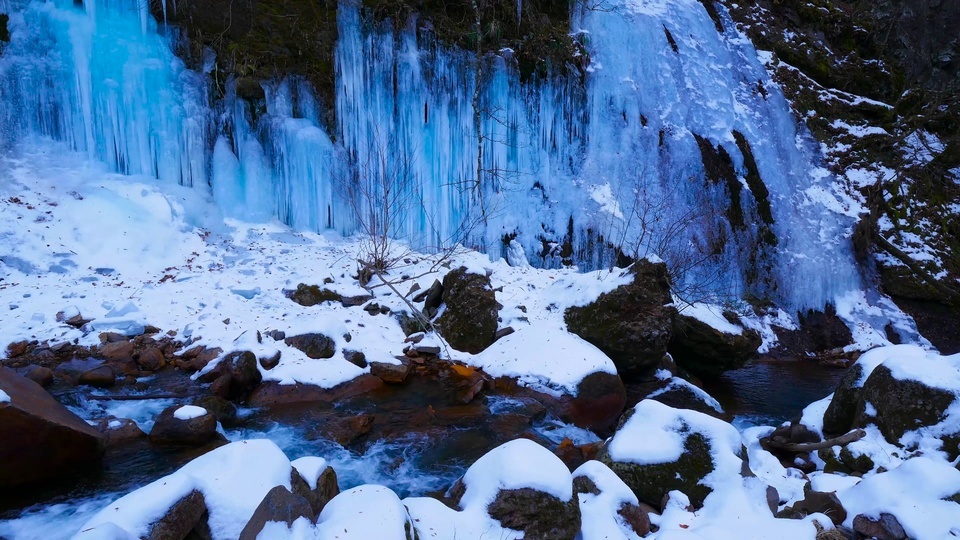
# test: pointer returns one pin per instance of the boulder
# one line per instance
(224, 410)
(184, 425)
(708, 351)
(680, 394)
(42, 440)
(118, 431)
(816, 502)
(311, 295)
(898, 405)
(364, 513)
(838, 418)
(523, 486)
(274, 393)
(315, 481)
(99, 377)
(39, 374)
(314, 345)
(689, 446)
(117, 351)
(631, 324)
(241, 372)
(345, 430)
(278, 505)
(469, 321)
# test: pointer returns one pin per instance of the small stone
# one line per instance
(17, 348)
(356, 358)
(99, 377)
(427, 349)
(117, 350)
(278, 505)
(270, 362)
(390, 373)
(885, 528)
(151, 359)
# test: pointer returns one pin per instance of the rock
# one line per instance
(635, 517)
(431, 298)
(99, 377)
(314, 345)
(151, 359)
(311, 295)
(408, 323)
(180, 519)
(652, 477)
(538, 514)
(680, 394)
(273, 393)
(345, 430)
(187, 431)
(356, 358)
(705, 350)
(856, 462)
(604, 496)
(270, 362)
(631, 324)
(278, 505)
(390, 373)
(40, 375)
(901, 405)
(600, 400)
(112, 337)
(838, 418)
(118, 431)
(427, 350)
(469, 321)
(42, 440)
(317, 491)
(816, 501)
(224, 410)
(241, 372)
(17, 348)
(115, 351)
(885, 528)
(503, 332)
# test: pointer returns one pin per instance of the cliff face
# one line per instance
(877, 83)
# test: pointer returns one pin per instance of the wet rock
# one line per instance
(273, 393)
(345, 430)
(99, 377)
(180, 519)
(705, 350)
(314, 345)
(42, 440)
(390, 373)
(151, 359)
(469, 321)
(188, 430)
(40, 375)
(885, 528)
(224, 410)
(115, 351)
(631, 324)
(117, 431)
(278, 505)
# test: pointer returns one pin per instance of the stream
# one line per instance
(411, 457)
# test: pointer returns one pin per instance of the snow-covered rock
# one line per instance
(608, 508)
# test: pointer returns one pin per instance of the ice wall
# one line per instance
(434, 145)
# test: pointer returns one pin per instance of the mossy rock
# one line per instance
(838, 418)
(469, 321)
(539, 515)
(857, 462)
(311, 295)
(901, 405)
(631, 324)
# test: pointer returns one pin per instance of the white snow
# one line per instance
(233, 480)
(189, 412)
(711, 315)
(4, 397)
(598, 513)
(676, 382)
(544, 357)
(310, 468)
(362, 513)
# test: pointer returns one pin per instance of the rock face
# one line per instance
(42, 440)
(707, 351)
(278, 505)
(315, 346)
(900, 405)
(187, 431)
(631, 324)
(469, 322)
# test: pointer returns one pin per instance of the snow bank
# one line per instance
(434, 520)
(544, 357)
(233, 480)
(363, 513)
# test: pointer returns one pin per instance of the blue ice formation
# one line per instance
(433, 145)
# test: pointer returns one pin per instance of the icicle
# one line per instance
(519, 10)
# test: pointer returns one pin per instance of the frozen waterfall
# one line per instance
(675, 143)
